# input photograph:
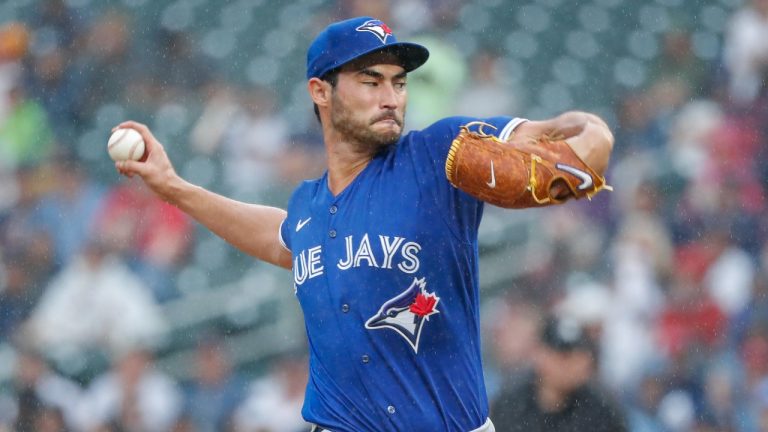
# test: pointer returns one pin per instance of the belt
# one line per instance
(486, 427)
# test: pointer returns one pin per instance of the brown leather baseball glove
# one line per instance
(542, 172)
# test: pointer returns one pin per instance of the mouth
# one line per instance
(388, 119)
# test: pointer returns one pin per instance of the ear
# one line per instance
(319, 91)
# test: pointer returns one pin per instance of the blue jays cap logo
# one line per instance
(407, 313)
(377, 27)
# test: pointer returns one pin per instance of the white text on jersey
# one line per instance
(308, 263)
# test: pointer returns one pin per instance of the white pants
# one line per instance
(486, 427)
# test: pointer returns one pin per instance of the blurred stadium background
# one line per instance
(107, 292)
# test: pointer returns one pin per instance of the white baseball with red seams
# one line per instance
(125, 144)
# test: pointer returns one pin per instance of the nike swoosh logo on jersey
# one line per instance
(492, 184)
(301, 224)
(586, 179)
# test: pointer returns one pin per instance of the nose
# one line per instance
(389, 96)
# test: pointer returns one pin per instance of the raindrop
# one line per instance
(629, 72)
(294, 16)
(555, 97)
(172, 117)
(177, 16)
(609, 3)
(192, 279)
(77, 3)
(210, 253)
(263, 70)
(533, 18)
(655, 19)
(670, 3)
(550, 3)
(134, 3)
(643, 44)
(92, 144)
(200, 170)
(731, 3)
(568, 70)
(218, 43)
(108, 115)
(235, 18)
(279, 44)
(521, 44)
(593, 18)
(582, 44)
(474, 19)
(714, 18)
(705, 45)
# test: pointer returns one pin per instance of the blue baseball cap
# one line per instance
(344, 41)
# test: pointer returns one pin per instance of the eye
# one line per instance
(370, 83)
(392, 313)
(400, 85)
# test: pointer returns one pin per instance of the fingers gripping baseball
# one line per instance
(155, 168)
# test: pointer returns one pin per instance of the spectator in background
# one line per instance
(95, 303)
(153, 235)
(133, 396)
(513, 326)
(745, 52)
(17, 293)
(105, 63)
(678, 63)
(255, 138)
(274, 402)
(22, 234)
(44, 397)
(247, 131)
(26, 137)
(558, 395)
(487, 81)
(434, 87)
(216, 390)
(68, 212)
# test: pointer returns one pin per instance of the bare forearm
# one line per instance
(254, 229)
(593, 144)
(251, 228)
(587, 134)
(573, 123)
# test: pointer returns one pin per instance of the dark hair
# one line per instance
(332, 77)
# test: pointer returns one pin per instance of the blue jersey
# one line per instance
(387, 276)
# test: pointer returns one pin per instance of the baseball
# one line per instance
(125, 144)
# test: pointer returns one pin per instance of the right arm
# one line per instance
(252, 228)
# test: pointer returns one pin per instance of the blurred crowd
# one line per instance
(666, 279)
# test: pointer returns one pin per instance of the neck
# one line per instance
(345, 161)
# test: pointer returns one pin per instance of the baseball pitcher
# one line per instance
(383, 247)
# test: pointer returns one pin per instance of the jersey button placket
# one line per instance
(333, 209)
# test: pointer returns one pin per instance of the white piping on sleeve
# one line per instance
(280, 236)
(510, 127)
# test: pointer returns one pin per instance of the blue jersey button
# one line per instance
(332, 233)
(391, 409)
(333, 209)
(365, 358)
(345, 308)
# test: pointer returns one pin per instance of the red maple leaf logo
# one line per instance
(424, 305)
(386, 29)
